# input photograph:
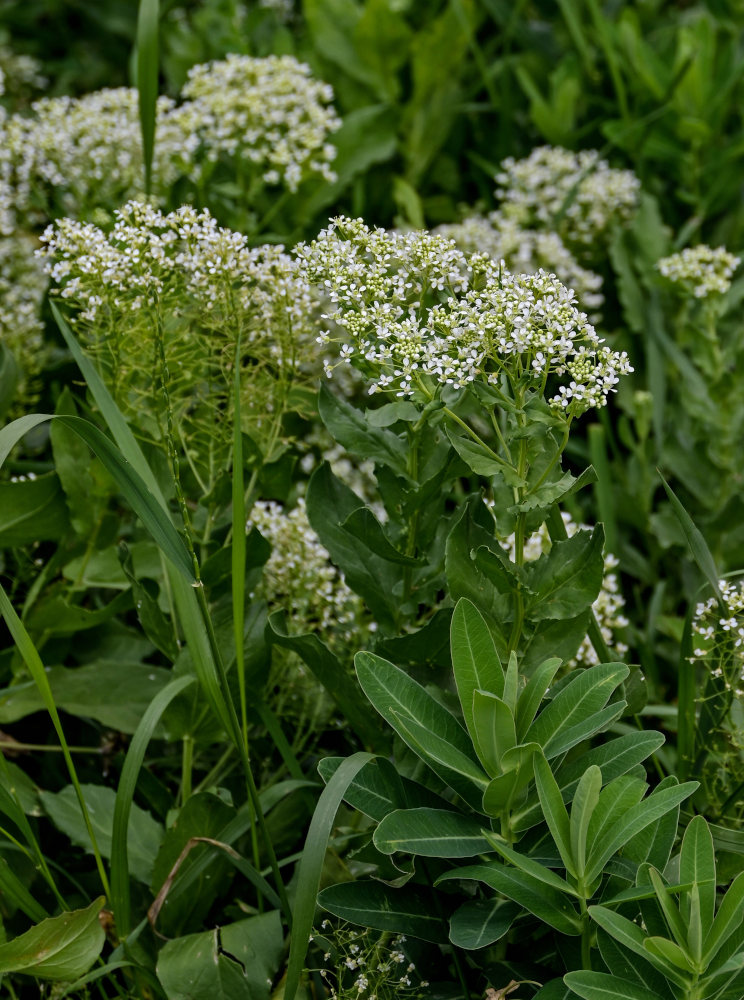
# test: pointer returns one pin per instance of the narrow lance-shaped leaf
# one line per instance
(554, 811)
(583, 805)
(432, 833)
(475, 662)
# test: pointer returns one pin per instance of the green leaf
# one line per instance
(475, 662)
(33, 510)
(234, 962)
(577, 708)
(378, 789)
(531, 867)
(697, 864)
(503, 790)
(671, 951)
(480, 922)
(409, 910)
(144, 834)
(634, 820)
(114, 693)
(654, 844)
(601, 986)
(632, 937)
(349, 428)
(674, 920)
(363, 524)
(62, 947)
(336, 680)
(311, 866)
(494, 733)
(147, 80)
(728, 919)
(9, 372)
(555, 813)
(482, 461)
(123, 804)
(329, 503)
(584, 802)
(698, 546)
(545, 902)
(568, 579)
(531, 697)
(432, 833)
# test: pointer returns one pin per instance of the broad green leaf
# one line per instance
(654, 844)
(674, 921)
(480, 922)
(481, 460)
(669, 950)
(568, 579)
(574, 707)
(614, 801)
(632, 937)
(531, 697)
(334, 677)
(432, 833)
(350, 428)
(627, 965)
(452, 765)
(32, 510)
(144, 833)
(728, 919)
(555, 812)
(329, 503)
(475, 662)
(234, 962)
(505, 789)
(635, 819)
(409, 910)
(601, 986)
(528, 865)
(511, 684)
(542, 900)
(697, 864)
(494, 733)
(115, 694)
(62, 947)
(363, 524)
(584, 802)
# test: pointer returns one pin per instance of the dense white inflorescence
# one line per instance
(609, 604)
(270, 113)
(718, 636)
(83, 152)
(701, 270)
(576, 194)
(525, 251)
(418, 312)
(299, 575)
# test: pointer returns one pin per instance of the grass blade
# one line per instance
(311, 865)
(698, 546)
(125, 794)
(147, 80)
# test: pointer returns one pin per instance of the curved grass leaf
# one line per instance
(125, 796)
(698, 546)
(147, 80)
(378, 789)
(311, 865)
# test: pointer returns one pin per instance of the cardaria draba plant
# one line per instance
(162, 300)
(419, 315)
(701, 270)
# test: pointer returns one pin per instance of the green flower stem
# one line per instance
(586, 936)
(519, 532)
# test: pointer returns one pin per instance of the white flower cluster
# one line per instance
(609, 604)
(82, 152)
(718, 637)
(381, 969)
(183, 257)
(419, 312)
(525, 251)
(268, 112)
(703, 270)
(19, 74)
(551, 181)
(299, 575)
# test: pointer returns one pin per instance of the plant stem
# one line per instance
(187, 765)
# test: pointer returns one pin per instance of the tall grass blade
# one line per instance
(698, 546)
(36, 668)
(147, 80)
(125, 795)
(311, 865)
